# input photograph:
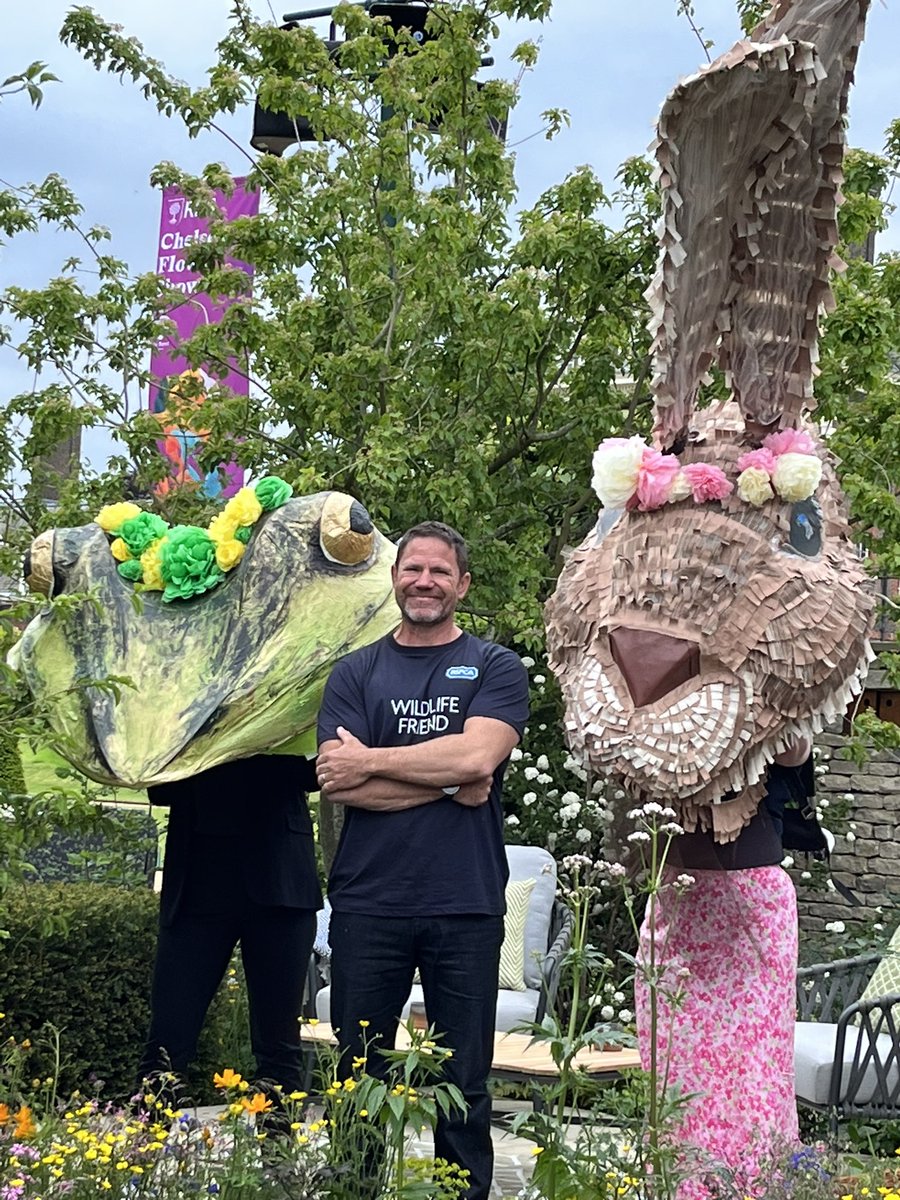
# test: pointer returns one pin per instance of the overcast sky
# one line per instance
(610, 63)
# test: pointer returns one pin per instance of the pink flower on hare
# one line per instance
(789, 441)
(656, 475)
(707, 482)
(762, 459)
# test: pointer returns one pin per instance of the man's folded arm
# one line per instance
(445, 761)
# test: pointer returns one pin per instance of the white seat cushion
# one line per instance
(814, 1044)
(512, 1007)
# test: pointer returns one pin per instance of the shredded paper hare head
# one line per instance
(718, 608)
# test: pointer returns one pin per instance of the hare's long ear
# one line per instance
(749, 152)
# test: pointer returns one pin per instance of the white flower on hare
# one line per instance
(616, 464)
(796, 476)
(754, 486)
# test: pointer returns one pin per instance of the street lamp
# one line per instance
(275, 132)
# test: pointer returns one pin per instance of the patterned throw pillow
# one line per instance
(886, 978)
(512, 952)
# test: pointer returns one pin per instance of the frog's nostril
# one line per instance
(653, 664)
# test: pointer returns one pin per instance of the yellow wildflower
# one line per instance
(111, 516)
(536, 1150)
(364, 1024)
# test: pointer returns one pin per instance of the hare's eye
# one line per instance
(806, 528)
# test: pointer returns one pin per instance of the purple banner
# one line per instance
(181, 416)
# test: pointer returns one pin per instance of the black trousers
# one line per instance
(191, 959)
(372, 966)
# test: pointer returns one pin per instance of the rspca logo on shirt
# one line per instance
(461, 673)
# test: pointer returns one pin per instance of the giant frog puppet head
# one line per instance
(717, 611)
(235, 670)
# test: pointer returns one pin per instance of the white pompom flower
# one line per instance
(754, 486)
(796, 476)
(616, 463)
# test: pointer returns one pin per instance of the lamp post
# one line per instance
(275, 132)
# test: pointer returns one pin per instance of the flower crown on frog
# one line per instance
(628, 473)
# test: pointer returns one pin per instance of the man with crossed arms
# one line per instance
(415, 732)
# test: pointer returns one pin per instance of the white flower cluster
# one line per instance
(609, 1002)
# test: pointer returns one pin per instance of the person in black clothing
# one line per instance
(239, 867)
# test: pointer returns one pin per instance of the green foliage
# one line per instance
(869, 733)
(126, 858)
(751, 13)
(12, 777)
(79, 957)
(31, 81)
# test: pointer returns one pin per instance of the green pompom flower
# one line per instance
(243, 533)
(131, 570)
(272, 492)
(141, 531)
(188, 563)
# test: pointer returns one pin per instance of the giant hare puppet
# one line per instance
(717, 610)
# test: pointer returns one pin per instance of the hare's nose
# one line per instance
(652, 664)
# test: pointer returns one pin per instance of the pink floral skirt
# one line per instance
(728, 945)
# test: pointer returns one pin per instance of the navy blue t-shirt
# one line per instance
(442, 857)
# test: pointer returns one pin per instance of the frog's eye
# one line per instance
(346, 532)
(37, 569)
(806, 528)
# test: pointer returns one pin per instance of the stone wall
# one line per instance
(866, 856)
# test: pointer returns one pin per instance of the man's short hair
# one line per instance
(444, 533)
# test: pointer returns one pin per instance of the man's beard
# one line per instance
(446, 610)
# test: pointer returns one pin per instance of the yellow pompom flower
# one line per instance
(229, 554)
(111, 516)
(120, 551)
(244, 507)
(222, 527)
(151, 562)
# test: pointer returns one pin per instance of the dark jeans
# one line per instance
(191, 959)
(372, 967)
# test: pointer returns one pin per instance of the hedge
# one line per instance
(79, 959)
(12, 777)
